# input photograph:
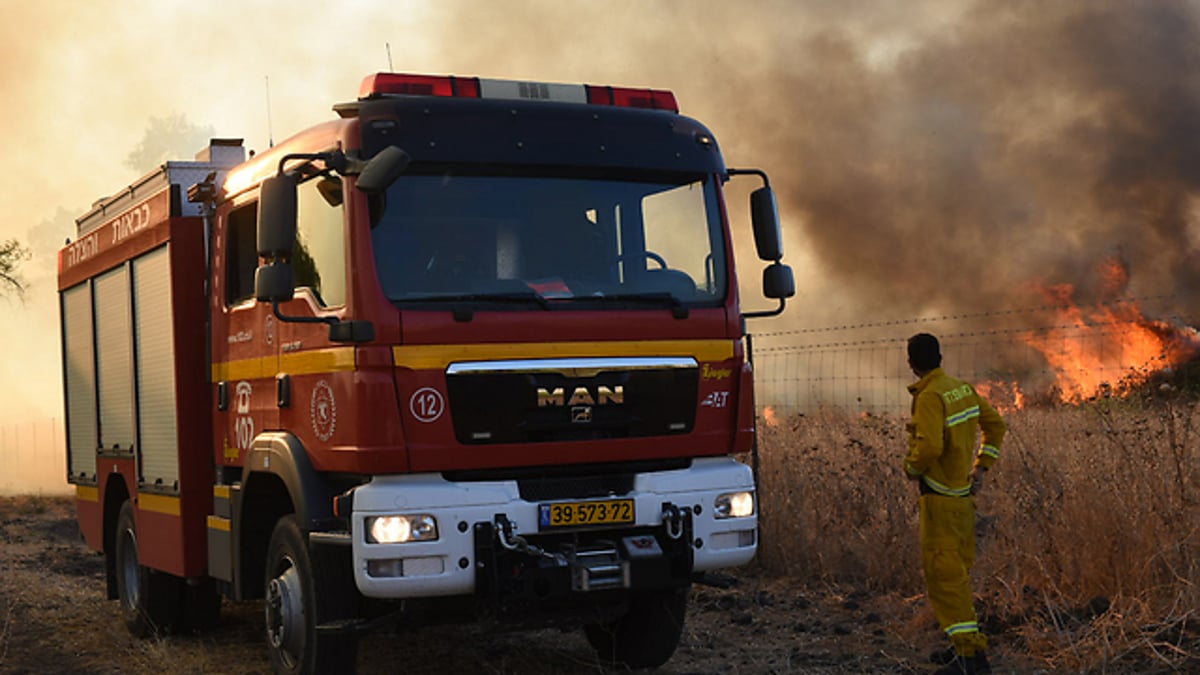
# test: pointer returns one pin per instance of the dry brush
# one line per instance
(1089, 526)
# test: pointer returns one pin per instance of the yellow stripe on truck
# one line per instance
(317, 361)
(310, 362)
(244, 369)
(159, 504)
(87, 493)
(436, 357)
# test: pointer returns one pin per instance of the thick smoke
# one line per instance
(1024, 144)
(934, 157)
(1027, 144)
(931, 156)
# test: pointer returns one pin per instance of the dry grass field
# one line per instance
(54, 619)
(1089, 527)
(1089, 542)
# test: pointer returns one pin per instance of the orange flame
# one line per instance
(1004, 396)
(768, 415)
(1111, 347)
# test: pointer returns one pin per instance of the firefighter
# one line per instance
(947, 415)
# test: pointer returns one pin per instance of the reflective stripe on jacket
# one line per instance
(947, 415)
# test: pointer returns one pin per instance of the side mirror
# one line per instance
(764, 216)
(275, 282)
(277, 217)
(778, 281)
(382, 170)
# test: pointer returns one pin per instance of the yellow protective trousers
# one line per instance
(948, 551)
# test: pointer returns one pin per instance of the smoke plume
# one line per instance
(1027, 143)
(931, 156)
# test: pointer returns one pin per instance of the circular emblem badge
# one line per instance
(426, 404)
(323, 410)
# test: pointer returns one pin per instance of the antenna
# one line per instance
(391, 68)
(270, 134)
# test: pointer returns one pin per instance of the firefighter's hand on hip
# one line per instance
(977, 480)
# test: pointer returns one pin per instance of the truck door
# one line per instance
(316, 372)
(245, 345)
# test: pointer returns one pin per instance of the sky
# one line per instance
(930, 156)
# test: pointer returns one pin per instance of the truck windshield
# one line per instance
(453, 236)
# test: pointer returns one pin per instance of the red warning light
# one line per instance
(418, 85)
(653, 99)
(383, 84)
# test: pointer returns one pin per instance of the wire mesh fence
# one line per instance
(33, 458)
(1039, 355)
(1036, 355)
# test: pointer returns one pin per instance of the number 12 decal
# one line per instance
(426, 404)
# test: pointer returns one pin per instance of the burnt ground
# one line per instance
(54, 619)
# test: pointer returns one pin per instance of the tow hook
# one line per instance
(672, 520)
(509, 539)
(593, 567)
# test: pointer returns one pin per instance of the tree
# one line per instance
(170, 137)
(11, 255)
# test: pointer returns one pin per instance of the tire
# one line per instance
(151, 602)
(646, 636)
(302, 591)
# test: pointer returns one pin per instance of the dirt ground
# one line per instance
(54, 619)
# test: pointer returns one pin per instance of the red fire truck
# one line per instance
(472, 350)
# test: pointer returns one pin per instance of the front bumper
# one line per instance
(674, 507)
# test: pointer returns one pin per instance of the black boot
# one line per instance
(942, 656)
(966, 665)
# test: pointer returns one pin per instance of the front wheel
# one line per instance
(647, 635)
(301, 591)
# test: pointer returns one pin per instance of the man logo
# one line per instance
(581, 396)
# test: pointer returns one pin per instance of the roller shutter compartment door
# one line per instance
(114, 347)
(158, 433)
(79, 374)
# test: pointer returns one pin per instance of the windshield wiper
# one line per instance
(658, 298)
(513, 297)
(661, 298)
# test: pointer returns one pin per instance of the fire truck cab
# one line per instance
(473, 349)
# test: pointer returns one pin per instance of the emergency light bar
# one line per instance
(383, 84)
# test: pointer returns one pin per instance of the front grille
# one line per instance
(542, 401)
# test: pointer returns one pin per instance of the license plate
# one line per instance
(575, 514)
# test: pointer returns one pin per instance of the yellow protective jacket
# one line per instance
(947, 415)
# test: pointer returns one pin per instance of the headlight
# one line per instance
(734, 505)
(401, 529)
